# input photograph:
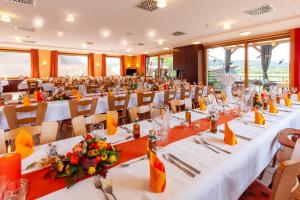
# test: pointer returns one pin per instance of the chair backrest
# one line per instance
(79, 126)
(92, 88)
(48, 132)
(285, 180)
(185, 93)
(84, 107)
(175, 105)
(145, 98)
(169, 95)
(132, 114)
(198, 93)
(116, 103)
(2, 142)
(11, 115)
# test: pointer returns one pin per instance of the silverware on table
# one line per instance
(98, 185)
(179, 118)
(32, 165)
(196, 111)
(184, 163)
(121, 140)
(124, 165)
(239, 136)
(109, 189)
(251, 124)
(284, 110)
(170, 160)
(205, 142)
(127, 129)
(208, 147)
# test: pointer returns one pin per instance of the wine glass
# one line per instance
(97, 130)
(294, 90)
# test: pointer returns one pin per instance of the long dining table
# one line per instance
(223, 176)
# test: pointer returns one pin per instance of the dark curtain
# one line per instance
(228, 54)
(266, 54)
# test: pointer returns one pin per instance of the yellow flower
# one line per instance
(104, 157)
(101, 144)
(90, 153)
(95, 152)
(91, 170)
(112, 158)
(60, 166)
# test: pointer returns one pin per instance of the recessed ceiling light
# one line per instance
(151, 33)
(18, 39)
(105, 33)
(84, 45)
(160, 41)
(166, 48)
(196, 42)
(124, 42)
(70, 18)
(161, 3)
(38, 22)
(60, 34)
(130, 55)
(226, 26)
(128, 49)
(145, 52)
(5, 18)
(245, 33)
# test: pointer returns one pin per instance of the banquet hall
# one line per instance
(150, 99)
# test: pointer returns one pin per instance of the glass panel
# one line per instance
(14, 64)
(113, 66)
(278, 68)
(72, 65)
(217, 58)
(152, 66)
(166, 66)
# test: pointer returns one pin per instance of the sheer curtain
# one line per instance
(266, 54)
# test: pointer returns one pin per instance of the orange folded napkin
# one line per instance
(157, 174)
(111, 124)
(26, 101)
(229, 136)
(24, 144)
(272, 108)
(35, 94)
(202, 105)
(298, 96)
(10, 166)
(78, 96)
(259, 118)
(288, 102)
(74, 92)
(110, 93)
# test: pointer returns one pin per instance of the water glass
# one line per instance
(16, 190)
(97, 130)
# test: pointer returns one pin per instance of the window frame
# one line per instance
(111, 56)
(72, 54)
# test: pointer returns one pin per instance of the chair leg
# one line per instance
(262, 174)
(274, 161)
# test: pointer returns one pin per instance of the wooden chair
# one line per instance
(2, 142)
(176, 105)
(169, 95)
(133, 116)
(185, 93)
(197, 95)
(80, 123)
(11, 113)
(119, 104)
(48, 132)
(92, 89)
(285, 184)
(7, 97)
(32, 86)
(84, 107)
(144, 100)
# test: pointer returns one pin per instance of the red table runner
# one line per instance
(38, 186)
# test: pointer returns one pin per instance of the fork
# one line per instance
(108, 189)
(205, 142)
(124, 165)
(98, 185)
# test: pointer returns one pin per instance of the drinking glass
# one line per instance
(294, 90)
(97, 130)
(51, 150)
(3, 183)
(16, 190)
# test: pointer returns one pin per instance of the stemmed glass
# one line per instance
(294, 90)
(97, 130)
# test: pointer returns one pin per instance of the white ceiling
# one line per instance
(202, 20)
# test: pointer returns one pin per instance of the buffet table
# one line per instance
(223, 176)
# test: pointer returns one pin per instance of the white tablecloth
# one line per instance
(223, 176)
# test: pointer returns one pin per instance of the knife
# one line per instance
(239, 136)
(183, 163)
(179, 166)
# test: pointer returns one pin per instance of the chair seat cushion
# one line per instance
(256, 191)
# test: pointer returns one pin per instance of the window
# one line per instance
(166, 66)
(269, 62)
(152, 66)
(113, 66)
(14, 64)
(72, 65)
(221, 60)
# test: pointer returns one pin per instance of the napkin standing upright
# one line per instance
(111, 124)
(24, 144)
(298, 96)
(288, 102)
(259, 118)
(229, 136)
(272, 107)
(157, 174)
(26, 101)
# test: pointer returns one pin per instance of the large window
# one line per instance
(14, 64)
(221, 60)
(72, 65)
(113, 66)
(152, 66)
(166, 66)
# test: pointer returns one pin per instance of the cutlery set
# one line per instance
(105, 187)
(121, 140)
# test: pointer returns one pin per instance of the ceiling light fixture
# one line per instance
(105, 33)
(161, 3)
(5, 18)
(38, 22)
(196, 42)
(18, 39)
(145, 52)
(226, 26)
(245, 33)
(125, 42)
(128, 50)
(166, 48)
(70, 18)
(84, 45)
(151, 33)
(160, 41)
(60, 34)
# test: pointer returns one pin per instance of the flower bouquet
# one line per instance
(89, 157)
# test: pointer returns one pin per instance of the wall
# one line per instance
(98, 64)
(44, 63)
(133, 62)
